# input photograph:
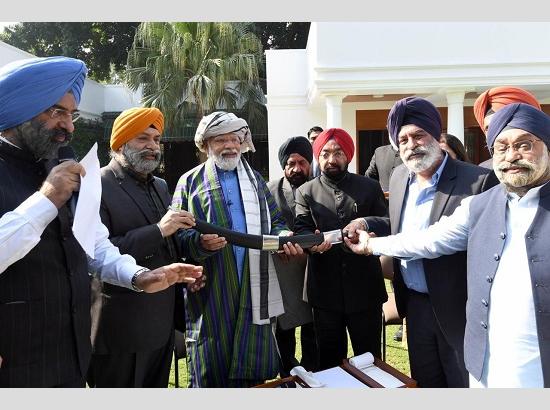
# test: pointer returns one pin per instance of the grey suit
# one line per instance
(291, 277)
(442, 311)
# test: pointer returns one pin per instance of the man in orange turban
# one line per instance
(494, 99)
(135, 331)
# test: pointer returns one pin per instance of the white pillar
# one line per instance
(455, 114)
(334, 111)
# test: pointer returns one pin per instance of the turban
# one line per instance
(220, 122)
(29, 87)
(132, 122)
(519, 116)
(340, 136)
(295, 145)
(498, 97)
(417, 111)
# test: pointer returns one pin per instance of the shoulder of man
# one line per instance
(274, 184)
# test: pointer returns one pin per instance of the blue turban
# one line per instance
(31, 86)
(520, 116)
(416, 111)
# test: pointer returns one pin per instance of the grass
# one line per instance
(396, 354)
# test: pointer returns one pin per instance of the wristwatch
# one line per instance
(134, 279)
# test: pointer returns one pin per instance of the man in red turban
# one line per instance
(345, 292)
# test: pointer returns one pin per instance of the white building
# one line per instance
(350, 75)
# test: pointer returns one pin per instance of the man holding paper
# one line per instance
(44, 281)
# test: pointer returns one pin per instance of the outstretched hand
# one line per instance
(165, 276)
(362, 245)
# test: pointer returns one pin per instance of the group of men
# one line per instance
(242, 306)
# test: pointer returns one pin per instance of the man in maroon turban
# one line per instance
(346, 292)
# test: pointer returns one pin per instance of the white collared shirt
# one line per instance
(512, 358)
(21, 229)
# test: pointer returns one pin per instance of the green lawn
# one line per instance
(396, 354)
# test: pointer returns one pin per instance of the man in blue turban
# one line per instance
(44, 282)
(505, 231)
(429, 185)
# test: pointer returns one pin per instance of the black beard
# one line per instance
(336, 174)
(297, 180)
(40, 141)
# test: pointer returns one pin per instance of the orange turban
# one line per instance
(134, 121)
(498, 97)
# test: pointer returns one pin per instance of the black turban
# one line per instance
(416, 111)
(521, 116)
(295, 145)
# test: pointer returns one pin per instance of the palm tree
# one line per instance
(190, 69)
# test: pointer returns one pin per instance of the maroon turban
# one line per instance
(340, 136)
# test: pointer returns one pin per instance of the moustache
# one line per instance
(56, 132)
(521, 163)
(147, 152)
(417, 150)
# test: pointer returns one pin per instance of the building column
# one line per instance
(455, 114)
(333, 104)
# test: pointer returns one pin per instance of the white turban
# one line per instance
(220, 122)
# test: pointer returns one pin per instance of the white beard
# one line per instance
(227, 164)
(432, 153)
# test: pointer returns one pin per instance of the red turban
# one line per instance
(498, 97)
(340, 136)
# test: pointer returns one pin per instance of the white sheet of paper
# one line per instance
(338, 377)
(86, 216)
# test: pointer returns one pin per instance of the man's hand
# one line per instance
(174, 220)
(322, 247)
(290, 250)
(212, 242)
(197, 285)
(165, 276)
(352, 229)
(362, 245)
(62, 181)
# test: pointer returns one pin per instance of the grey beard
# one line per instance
(537, 174)
(35, 137)
(432, 154)
(133, 159)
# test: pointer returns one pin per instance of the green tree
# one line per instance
(282, 35)
(189, 69)
(103, 46)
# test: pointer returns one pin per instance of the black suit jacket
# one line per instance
(45, 296)
(339, 280)
(446, 275)
(126, 320)
(382, 164)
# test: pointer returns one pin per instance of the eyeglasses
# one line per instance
(522, 147)
(63, 113)
(336, 154)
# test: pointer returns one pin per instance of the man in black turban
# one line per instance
(295, 156)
